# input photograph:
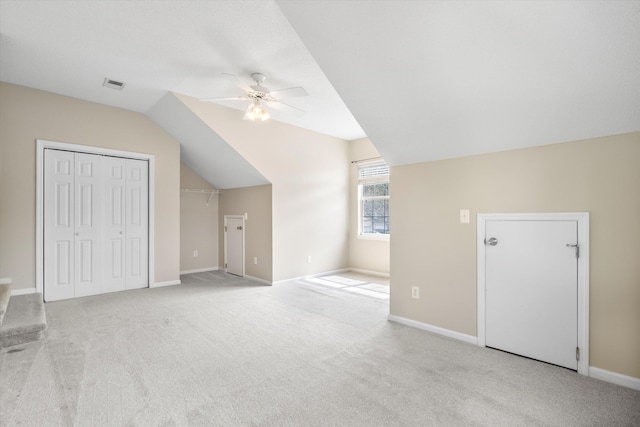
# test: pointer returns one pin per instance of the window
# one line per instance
(373, 199)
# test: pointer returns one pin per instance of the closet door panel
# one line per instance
(114, 174)
(137, 224)
(88, 224)
(59, 223)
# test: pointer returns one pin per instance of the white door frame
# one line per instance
(583, 273)
(225, 240)
(41, 145)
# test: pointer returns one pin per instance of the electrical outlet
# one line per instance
(464, 216)
(415, 292)
(309, 259)
(195, 254)
(255, 260)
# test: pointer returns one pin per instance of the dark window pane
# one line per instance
(368, 190)
(382, 189)
(378, 224)
(378, 207)
(367, 225)
(367, 207)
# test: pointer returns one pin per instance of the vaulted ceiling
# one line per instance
(424, 80)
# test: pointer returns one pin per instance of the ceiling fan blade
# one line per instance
(291, 92)
(279, 105)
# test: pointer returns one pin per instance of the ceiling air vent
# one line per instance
(113, 84)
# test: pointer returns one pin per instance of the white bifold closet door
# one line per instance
(95, 224)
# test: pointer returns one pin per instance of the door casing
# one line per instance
(583, 273)
(41, 145)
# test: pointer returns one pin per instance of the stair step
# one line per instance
(5, 294)
(24, 320)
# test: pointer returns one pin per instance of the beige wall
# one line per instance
(198, 223)
(309, 173)
(432, 250)
(364, 254)
(29, 114)
(258, 237)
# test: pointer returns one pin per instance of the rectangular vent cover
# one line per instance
(113, 84)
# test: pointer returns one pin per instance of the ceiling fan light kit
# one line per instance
(261, 97)
(256, 112)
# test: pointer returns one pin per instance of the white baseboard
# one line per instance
(169, 283)
(435, 329)
(199, 270)
(6, 281)
(255, 279)
(614, 378)
(23, 291)
(369, 273)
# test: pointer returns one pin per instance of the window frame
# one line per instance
(361, 182)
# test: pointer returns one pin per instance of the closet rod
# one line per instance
(208, 191)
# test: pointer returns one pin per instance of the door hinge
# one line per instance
(225, 265)
(577, 248)
(577, 354)
(225, 228)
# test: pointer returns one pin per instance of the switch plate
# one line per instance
(464, 216)
(195, 254)
(309, 259)
(415, 292)
(255, 260)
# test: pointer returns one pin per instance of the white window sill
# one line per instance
(373, 237)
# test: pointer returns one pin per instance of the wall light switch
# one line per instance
(415, 292)
(195, 254)
(464, 216)
(255, 259)
(309, 259)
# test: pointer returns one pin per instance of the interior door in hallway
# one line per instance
(532, 289)
(234, 245)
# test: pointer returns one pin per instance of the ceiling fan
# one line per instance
(260, 97)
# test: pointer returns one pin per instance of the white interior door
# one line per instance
(137, 224)
(59, 224)
(234, 245)
(114, 223)
(532, 289)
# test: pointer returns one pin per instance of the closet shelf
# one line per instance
(208, 191)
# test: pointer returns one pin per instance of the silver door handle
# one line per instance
(239, 227)
(491, 242)
(122, 232)
(77, 234)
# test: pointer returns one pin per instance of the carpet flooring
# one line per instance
(224, 351)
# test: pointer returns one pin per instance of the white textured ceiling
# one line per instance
(425, 80)
(69, 47)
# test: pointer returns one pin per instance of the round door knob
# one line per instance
(492, 241)
(77, 234)
(122, 232)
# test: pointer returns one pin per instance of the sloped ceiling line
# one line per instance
(202, 149)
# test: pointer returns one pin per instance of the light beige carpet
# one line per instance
(219, 350)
